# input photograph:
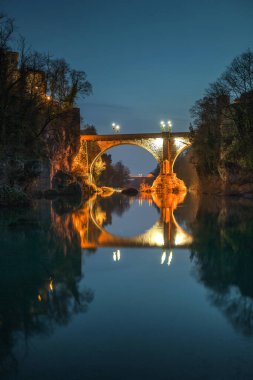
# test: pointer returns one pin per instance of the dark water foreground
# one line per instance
(80, 298)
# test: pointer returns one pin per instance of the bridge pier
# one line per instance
(167, 181)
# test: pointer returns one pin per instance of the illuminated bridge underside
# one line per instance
(162, 146)
(164, 235)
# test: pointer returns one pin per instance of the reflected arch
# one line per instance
(164, 234)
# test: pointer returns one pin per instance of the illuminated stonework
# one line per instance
(165, 233)
(164, 147)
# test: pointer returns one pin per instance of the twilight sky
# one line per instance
(146, 59)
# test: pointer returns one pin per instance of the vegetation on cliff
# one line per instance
(39, 121)
(105, 172)
(222, 130)
(38, 118)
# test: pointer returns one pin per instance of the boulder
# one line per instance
(131, 191)
(50, 194)
(62, 180)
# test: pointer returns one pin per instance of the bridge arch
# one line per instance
(117, 144)
(164, 147)
(179, 151)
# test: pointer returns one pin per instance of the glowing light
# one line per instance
(170, 258)
(48, 97)
(158, 238)
(51, 285)
(115, 127)
(159, 142)
(116, 255)
(180, 239)
(163, 257)
(39, 298)
(162, 125)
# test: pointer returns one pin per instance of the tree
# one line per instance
(89, 129)
(36, 92)
(223, 119)
(116, 175)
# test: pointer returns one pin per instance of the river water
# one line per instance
(127, 288)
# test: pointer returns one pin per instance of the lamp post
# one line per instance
(115, 128)
(166, 165)
(163, 126)
(169, 126)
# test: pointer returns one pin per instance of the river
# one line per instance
(127, 289)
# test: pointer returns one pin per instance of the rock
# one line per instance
(63, 206)
(130, 191)
(50, 194)
(32, 169)
(73, 190)
(37, 194)
(13, 197)
(61, 180)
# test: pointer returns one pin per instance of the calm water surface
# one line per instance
(127, 289)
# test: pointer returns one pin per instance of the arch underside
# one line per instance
(179, 152)
(149, 146)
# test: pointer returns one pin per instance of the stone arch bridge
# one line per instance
(164, 147)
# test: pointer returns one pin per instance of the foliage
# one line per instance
(40, 270)
(223, 119)
(104, 172)
(222, 254)
(116, 175)
(36, 93)
(89, 129)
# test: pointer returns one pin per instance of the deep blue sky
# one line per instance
(146, 59)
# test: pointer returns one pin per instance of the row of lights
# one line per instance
(116, 127)
(163, 125)
(166, 258)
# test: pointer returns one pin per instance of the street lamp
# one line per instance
(115, 128)
(169, 126)
(163, 126)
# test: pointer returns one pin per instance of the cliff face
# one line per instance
(231, 180)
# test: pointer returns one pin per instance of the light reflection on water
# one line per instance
(83, 295)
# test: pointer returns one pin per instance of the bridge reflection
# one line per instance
(165, 233)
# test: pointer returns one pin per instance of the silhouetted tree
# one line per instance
(35, 92)
(89, 129)
(223, 119)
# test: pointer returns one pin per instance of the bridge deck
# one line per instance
(133, 136)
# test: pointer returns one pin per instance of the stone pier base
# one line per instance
(168, 183)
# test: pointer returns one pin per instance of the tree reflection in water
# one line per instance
(40, 271)
(222, 253)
